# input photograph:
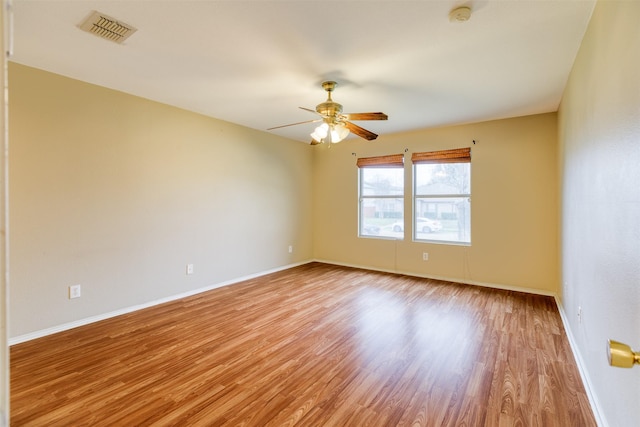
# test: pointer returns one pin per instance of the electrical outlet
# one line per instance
(425, 256)
(579, 314)
(189, 269)
(75, 291)
(290, 249)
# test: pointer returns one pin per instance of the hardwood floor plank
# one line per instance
(315, 345)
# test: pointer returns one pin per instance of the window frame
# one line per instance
(456, 156)
(380, 162)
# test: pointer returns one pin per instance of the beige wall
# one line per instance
(514, 205)
(118, 194)
(4, 286)
(599, 124)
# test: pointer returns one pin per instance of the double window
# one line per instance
(441, 196)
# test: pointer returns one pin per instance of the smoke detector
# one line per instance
(460, 14)
(106, 27)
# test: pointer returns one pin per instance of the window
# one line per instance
(442, 196)
(381, 196)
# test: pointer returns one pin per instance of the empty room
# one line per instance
(320, 213)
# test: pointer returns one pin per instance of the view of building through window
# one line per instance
(442, 202)
(382, 202)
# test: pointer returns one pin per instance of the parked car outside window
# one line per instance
(423, 225)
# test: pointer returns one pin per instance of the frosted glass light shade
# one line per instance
(339, 132)
(320, 133)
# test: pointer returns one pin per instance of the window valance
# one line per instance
(390, 161)
(457, 155)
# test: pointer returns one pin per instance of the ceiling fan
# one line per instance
(336, 126)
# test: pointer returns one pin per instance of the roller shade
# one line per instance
(390, 161)
(458, 155)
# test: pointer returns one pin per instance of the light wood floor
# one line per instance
(315, 345)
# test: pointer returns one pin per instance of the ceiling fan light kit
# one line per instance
(320, 132)
(335, 132)
(336, 126)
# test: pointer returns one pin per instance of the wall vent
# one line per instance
(106, 27)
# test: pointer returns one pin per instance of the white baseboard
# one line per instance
(104, 316)
(449, 279)
(584, 374)
(88, 320)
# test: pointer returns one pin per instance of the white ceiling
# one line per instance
(255, 62)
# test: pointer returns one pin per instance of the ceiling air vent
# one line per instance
(107, 27)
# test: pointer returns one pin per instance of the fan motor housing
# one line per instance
(329, 108)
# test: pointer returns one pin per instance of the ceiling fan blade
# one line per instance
(366, 116)
(314, 142)
(309, 109)
(294, 124)
(361, 132)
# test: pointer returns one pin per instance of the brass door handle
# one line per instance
(621, 355)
